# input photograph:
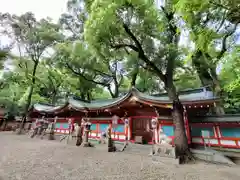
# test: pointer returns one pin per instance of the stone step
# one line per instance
(211, 156)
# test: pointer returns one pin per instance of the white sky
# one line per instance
(41, 8)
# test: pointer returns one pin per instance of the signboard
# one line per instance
(205, 134)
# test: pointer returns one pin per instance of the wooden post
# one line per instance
(79, 130)
(52, 128)
(111, 146)
(187, 128)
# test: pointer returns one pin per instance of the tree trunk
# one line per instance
(116, 90)
(5, 122)
(1, 123)
(113, 94)
(29, 98)
(82, 95)
(202, 69)
(54, 99)
(134, 78)
(180, 137)
(217, 90)
(208, 77)
(89, 96)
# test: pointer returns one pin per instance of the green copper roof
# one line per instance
(46, 108)
(201, 94)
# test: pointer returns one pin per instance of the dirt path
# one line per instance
(22, 158)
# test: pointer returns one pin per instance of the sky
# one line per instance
(41, 8)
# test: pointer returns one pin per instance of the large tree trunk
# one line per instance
(54, 98)
(134, 78)
(180, 137)
(5, 122)
(208, 77)
(89, 96)
(134, 75)
(29, 99)
(1, 123)
(217, 90)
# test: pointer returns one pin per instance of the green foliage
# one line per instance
(230, 78)
(98, 58)
(186, 80)
(106, 15)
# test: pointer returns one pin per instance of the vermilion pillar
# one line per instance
(186, 123)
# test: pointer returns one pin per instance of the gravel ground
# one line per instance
(22, 158)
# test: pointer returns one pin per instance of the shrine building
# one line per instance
(140, 109)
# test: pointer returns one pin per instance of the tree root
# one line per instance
(187, 158)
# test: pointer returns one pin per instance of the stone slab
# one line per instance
(211, 155)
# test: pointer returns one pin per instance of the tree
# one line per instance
(10, 94)
(148, 32)
(34, 37)
(211, 30)
(3, 54)
(51, 81)
(230, 80)
(73, 20)
(77, 58)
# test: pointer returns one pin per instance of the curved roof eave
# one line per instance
(96, 105)
(48, 108)
(162, 101)
(165, 100)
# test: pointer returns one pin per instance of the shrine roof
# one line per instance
(46, 107)
(196, 95)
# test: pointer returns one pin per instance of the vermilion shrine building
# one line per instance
(140, 109)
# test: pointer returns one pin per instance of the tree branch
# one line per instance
(119, 46)
(100, 72)
(138, 48)
(222, 22)
(224, 41)
(84, 77)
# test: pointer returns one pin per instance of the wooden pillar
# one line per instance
(130, 128)
(217, 134)
(186, 123)
(126, 132)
